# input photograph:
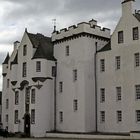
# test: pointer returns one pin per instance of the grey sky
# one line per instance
(37, 15)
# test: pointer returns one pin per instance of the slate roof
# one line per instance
(6, 59)
(107, 47)
(44, 46)
(15, 61)
(137, 16)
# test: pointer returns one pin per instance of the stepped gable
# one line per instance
(6, 59)
(43, 45)
(81, 29)
(107, 47)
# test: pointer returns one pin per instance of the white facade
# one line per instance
(79, 56)
(44, 100)
(96, 87)
(126, 77)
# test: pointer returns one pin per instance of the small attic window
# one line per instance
(24, 50)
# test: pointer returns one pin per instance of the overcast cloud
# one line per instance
(37, 15)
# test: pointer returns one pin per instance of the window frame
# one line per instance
(137, 59)
(16, 117)
(61, 117)
(102, 95)
(8, 83)
(24, 69)
(54, 71)
(119, 116)
(120, 37)
(118, 62)
(6, 118)
(16, 97)
(27, 96)
(75, 105)
(135, 32)
(32, 116)
(24, 50)
(38, 66)
(33, 94)
(60, 87)
(102, 116)
(137, 92)
(67, 51)
(7, 103)
(75, 75)
(102, 65)
(119, 93)
(138, 116)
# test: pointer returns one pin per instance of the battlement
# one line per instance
(91, 28)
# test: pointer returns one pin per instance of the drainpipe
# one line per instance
(95, 74)
(55, 97)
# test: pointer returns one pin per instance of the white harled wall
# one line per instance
(44, 103)
(127, 77)
(81, 57)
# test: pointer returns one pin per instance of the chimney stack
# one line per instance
(127, 8)
(16, 45)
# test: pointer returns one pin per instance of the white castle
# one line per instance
(81, 80)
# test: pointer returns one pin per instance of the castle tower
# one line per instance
(75, 49)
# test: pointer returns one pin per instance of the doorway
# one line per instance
(27, 125)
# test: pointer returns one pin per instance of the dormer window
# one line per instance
(120, 37)
(135, 33)
(24, 50)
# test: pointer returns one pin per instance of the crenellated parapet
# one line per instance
(91, 28)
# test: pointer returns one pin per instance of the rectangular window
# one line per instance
(135, 33)
(137, 91)
(27, 96)
(138, 115)
(102, 95)
(118, 93)
(54, 71)
(67, 50)
(16, 98)
(137, 59)
(16, 116)
(120, 37)
(0, 98)
(119, 116)
(6, 118)
(60, 87)
(8, 83)
(38, 66)
(60, 116)
(102, 65)
(33, 116)
(75, 105)
(75, 75)
(102, 116)
(7, 103)
(24, 50)
(0, 119)
(24, 69)
(33, 96)
(118, 62)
